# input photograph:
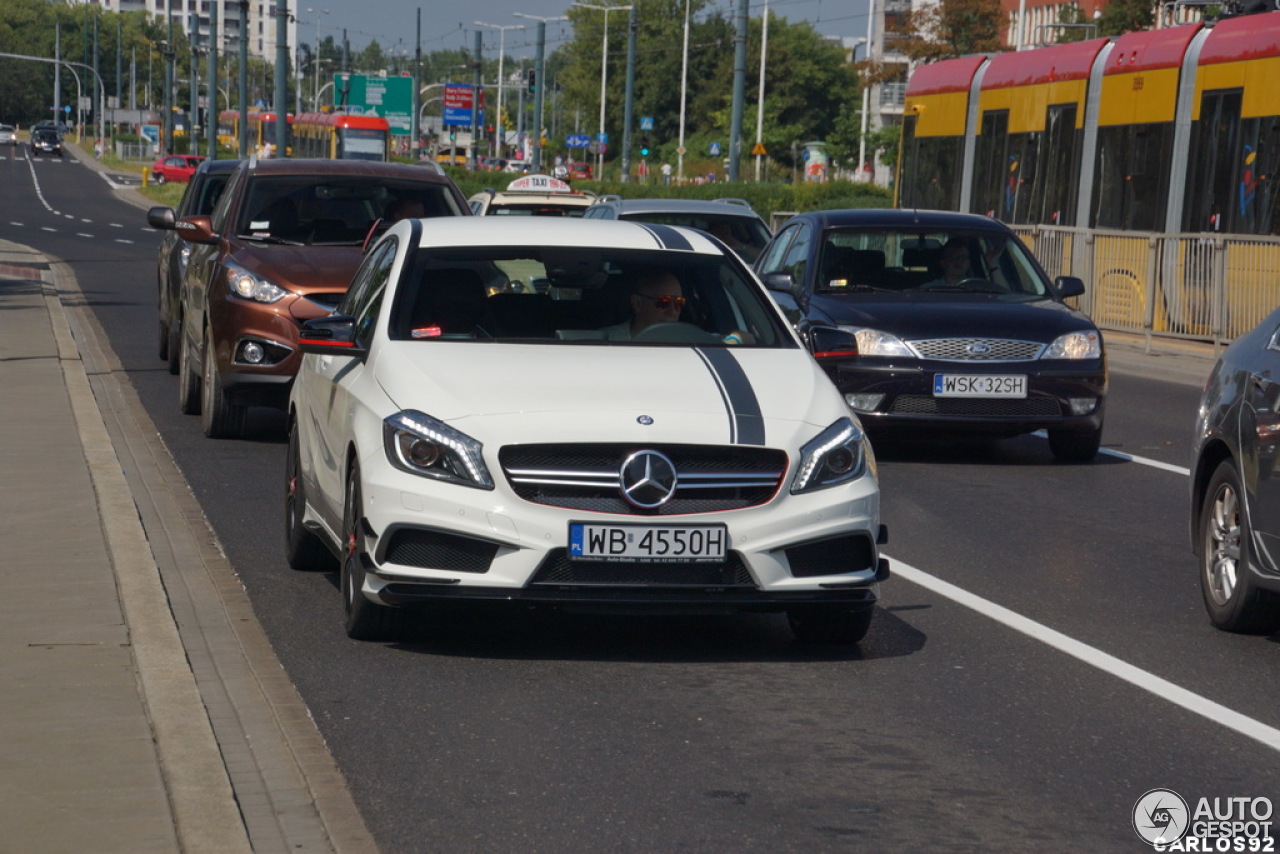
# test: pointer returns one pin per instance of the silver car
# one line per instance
(8, 136)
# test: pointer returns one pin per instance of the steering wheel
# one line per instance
(674, 332)
(978, 283)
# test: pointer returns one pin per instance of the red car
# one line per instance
(579, 171)
(175, 167)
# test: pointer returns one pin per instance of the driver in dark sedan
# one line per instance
(954, 263)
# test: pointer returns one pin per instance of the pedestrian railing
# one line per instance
(1207, 287)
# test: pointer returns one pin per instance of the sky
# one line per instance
(394, 23)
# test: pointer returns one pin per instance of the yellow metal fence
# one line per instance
(1205, 287)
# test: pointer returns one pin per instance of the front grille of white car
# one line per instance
(586, 477)
(558, 569)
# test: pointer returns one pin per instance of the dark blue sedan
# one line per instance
(959, 329)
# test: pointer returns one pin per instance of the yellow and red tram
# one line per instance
(341, 136)
(1173, 130)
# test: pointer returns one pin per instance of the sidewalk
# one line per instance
(141, 706)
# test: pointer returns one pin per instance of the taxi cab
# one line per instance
(532, 195)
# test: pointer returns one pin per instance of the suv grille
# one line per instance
(585, 477)
(977, 350)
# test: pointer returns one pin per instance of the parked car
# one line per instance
(453, 446)
(279, 248)
(532, 195)
(732, 221)
(1235, 484)
(8, 136)
(202, 193)
(994, 350)
(45, 141)
(580, 171)
(175, 167)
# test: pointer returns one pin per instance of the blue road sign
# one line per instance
(646, 123)
(577, 140)
(715, 149)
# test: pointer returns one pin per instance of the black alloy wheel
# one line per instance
(303, 549)
(365, 620)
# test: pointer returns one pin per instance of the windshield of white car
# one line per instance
(861, 260)
(583, 296)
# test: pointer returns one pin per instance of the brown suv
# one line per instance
(280, 248)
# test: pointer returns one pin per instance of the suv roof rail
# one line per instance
(735, 201)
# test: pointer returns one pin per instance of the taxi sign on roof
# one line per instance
(538, 184)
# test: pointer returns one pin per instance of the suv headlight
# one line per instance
(422, 445)
(1075, 345)
(836, 455)
(247, 285)
(873, 342)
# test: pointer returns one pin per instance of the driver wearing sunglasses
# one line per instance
(655, 296)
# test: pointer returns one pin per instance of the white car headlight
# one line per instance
(1075, 345)
(247, 285)
(873, 342)
(420, 444)
(835, 456)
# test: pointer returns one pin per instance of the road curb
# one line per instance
(200, 793)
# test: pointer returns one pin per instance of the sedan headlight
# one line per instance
(836, 455)
(422, 445)
(873, 342)
(247, 285)
(1075, 345)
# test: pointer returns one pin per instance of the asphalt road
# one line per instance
(1041, 658)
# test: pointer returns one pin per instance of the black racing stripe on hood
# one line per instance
(668, 236)
(746, 421)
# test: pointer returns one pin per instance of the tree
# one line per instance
(952, 28)
(1127, 16)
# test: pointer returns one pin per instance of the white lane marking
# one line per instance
(1094, 657)
(122, 240)
(117, 225)
(47, 228)
(82, 234)
(18, 224)
(1146, 461)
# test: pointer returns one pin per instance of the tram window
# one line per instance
(1214, 143)
(1055, 197)
(1132, 184)
(990, 167)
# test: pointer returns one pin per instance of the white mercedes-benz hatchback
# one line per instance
(584, 414)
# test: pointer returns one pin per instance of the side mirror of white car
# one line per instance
(334, 335)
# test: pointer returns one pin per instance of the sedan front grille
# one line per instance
(977, 350)
(586, 477)
(1030, 407)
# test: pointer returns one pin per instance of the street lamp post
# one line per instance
(604, 78)
(866, 97)
(502, 54)
(538, 76)
(315, 87)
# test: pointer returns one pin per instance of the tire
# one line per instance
(188, 380)
(173, 345)
(365, 620)
(158, 178)
(830, 624)
(219, 417)
(1231, 595)
(162, 341)
(302, 549)
(1073, 446)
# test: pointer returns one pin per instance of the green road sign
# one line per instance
(389, 97)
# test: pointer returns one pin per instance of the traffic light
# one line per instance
(644, 145)
(531, 80)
